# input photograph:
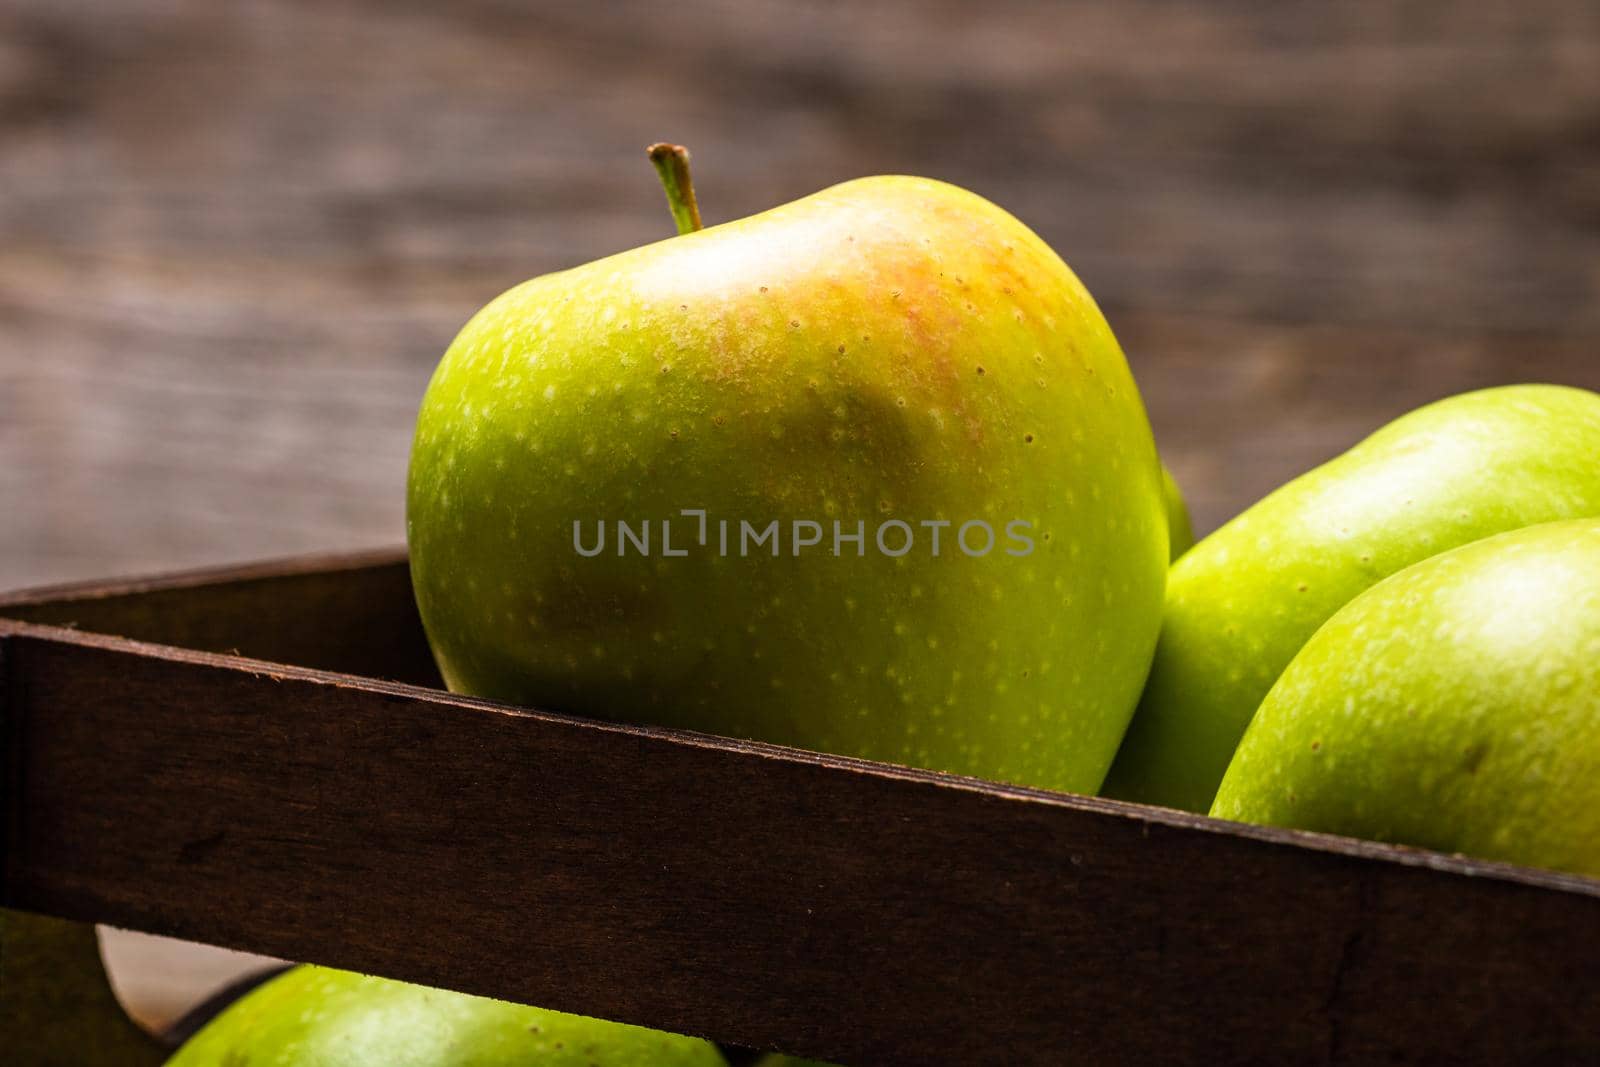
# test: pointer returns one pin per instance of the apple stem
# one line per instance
(672, 164)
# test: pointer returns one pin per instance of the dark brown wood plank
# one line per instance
(234, 240)
(352, 613)
(758, 895)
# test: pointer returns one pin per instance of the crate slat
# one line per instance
(750, 893)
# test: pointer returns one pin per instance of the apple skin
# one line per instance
(889, 348)
(1180, 531)
(317, 1017)
(1455, 706)
(1242, 602)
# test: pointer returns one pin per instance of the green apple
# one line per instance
(1180, 532)
(1242, 602)
(316, 1017)
(871, 473)
(1455, 706)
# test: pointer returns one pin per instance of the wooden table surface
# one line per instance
(234, 239)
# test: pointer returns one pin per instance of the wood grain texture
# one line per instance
(235, 238)
(352, 613)
(733, 889)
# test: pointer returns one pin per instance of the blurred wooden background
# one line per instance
(234, 238)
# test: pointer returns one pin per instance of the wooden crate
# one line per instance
(262, 758)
